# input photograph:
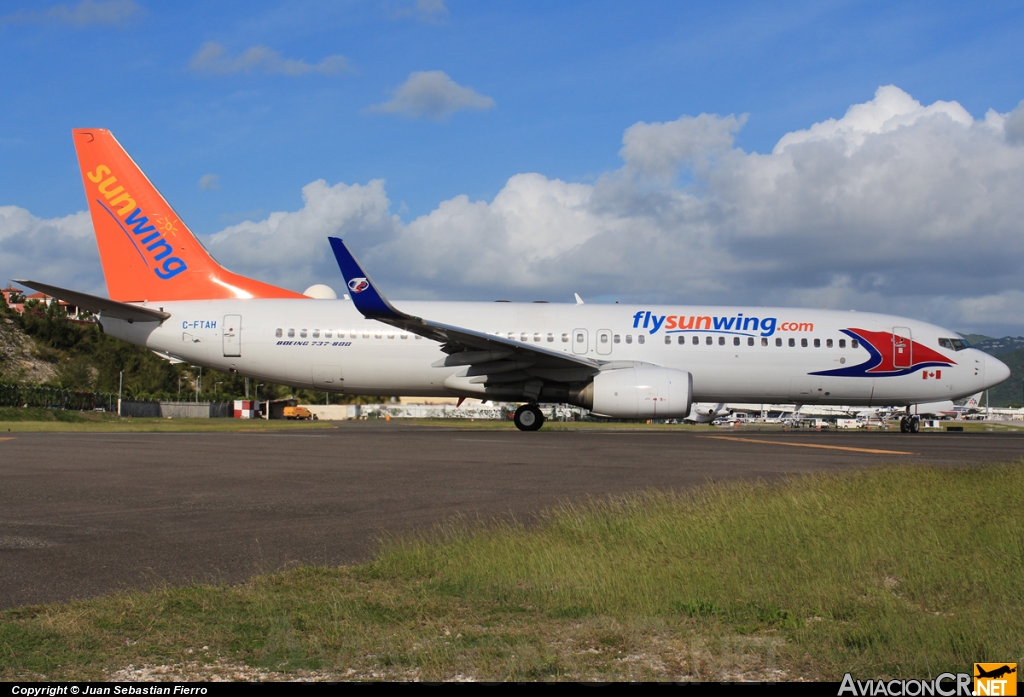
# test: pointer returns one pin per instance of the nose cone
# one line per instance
(995, 371)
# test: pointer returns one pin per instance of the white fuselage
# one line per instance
(741, 354)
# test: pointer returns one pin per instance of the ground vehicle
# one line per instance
(301, 413)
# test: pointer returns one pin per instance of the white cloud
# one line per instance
(660, 149)
(61, 251)
(212, 57)
(433, 95)
(914, 210)
(209, 182)
(86, 12)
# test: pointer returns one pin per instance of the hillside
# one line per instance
(44, 347)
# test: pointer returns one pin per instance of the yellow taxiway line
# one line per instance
(873, 451)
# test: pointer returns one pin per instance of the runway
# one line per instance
(83, 514)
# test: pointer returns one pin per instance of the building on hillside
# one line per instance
(15, 298)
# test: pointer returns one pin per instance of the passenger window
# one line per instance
(778, 341)
(536, 336)
(302, 333)
(328, 333)
(579, 338)
(696, 340)
(750, 341)
(525, 337)
(735, 341)
(842, 343)
(511, 335)
(792, 343)
(565, 337)
(709, 341)
(316, 333)
(817, 343)
(721, 341)
(417, 337)
(279, 333)
(668, 339)
(378, 335)
(629, 338)
(391, 335)
(803, 343)
(404, 335)
(366, 335)
(617, 339)
(291, 333)
(764, 342)
(854, 343)
(551, 337)
(828, 343)
(681, 340)
(641, 339)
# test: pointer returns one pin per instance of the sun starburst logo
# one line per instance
(166, 223)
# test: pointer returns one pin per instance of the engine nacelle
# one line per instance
(641, 392)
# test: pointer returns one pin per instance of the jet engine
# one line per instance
(639, 392)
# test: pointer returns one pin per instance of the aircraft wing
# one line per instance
(94, 303)
(488, 354)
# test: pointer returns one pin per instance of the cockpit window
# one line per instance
(954, 344)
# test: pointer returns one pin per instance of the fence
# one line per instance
(55, 398)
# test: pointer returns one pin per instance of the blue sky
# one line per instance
(442, 99)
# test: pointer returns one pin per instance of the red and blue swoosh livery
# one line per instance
(881, 363)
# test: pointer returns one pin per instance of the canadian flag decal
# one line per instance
(937, 374)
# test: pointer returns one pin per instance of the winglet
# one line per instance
(368, 300)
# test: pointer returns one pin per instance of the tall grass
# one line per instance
(905, 570)
(894, 572)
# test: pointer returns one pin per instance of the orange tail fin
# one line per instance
(146, 251)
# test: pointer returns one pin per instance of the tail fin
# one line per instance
(146, 251)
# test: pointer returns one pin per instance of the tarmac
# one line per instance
(85, 514)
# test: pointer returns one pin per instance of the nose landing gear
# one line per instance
(529, 418)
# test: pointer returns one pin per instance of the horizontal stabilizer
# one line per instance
(96, 304)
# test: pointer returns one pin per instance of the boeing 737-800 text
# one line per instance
(631, 362)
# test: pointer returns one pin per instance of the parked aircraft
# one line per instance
(707, 412)
(624, 361)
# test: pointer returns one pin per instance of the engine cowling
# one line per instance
(641, 392)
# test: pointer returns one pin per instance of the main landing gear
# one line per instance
(529, 417)
(910, 424)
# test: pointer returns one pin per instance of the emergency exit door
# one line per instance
(232, 333)
(902, 348)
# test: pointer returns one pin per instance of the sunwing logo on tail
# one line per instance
(358, 285)
(122, 208)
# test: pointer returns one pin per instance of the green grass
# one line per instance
(33, 419)
(902, 571)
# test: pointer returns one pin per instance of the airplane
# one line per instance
(706, 413)
(166, 293)
(947, 410)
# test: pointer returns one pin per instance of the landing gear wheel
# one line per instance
(904, 425)
(915, 425)
(529, 418)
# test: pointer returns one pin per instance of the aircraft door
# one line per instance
(580, 341)
(232, 333)
(604, 341)
(902, 348)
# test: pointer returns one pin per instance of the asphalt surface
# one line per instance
(86, 514)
